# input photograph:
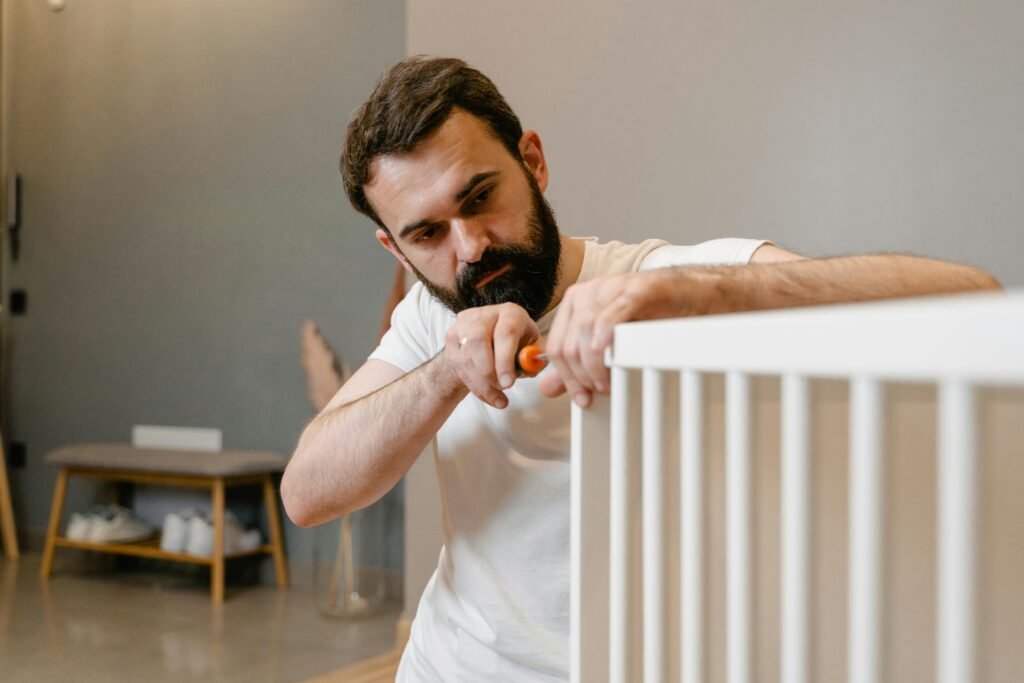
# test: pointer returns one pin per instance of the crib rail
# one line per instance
(638, 584)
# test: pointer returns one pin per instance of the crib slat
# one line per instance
(692, 526)
(956, 526)
(795, 527)
(588, 543)
(738, 559)
(866, 531)
(654, 473)
(620, 536)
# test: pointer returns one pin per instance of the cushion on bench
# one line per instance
(167, 461)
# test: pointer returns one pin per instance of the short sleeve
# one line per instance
(407, 344)
(727, 251)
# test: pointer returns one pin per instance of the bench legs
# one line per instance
(276, 538)
(218, 506)
(51, 531)
(274, 526)
(7, 511)
(217, 569)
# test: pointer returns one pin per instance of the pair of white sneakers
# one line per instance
(108, 524)
(192, 533)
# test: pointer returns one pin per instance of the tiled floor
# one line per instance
(101, 625)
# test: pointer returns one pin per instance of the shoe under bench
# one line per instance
(214, 471)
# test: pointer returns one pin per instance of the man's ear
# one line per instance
(386, 241)
(532, 151)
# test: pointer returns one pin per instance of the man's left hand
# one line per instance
(588, 313)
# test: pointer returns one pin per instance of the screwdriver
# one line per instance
(530, 360)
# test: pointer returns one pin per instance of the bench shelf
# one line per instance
(214, 471)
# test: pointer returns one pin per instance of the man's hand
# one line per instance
(582, 329)
(481, 347)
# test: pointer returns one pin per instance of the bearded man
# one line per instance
(439, 161)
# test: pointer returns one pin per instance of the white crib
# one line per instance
(639, 504)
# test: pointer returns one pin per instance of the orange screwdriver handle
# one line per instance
(530, 360)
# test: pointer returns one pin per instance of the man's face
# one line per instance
(468, 219)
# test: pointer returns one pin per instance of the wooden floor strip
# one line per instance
(379, 669)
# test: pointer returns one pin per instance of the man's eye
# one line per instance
(426, 235)
(482, 197)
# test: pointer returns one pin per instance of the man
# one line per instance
(439, 162)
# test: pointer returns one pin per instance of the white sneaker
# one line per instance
(121, 526)
(249, 540)
(79, 526)
(200, 536)
(174, 538)
(236, 538)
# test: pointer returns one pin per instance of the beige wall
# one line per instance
(832, 127)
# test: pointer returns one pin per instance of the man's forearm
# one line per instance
(834, 280)
(350, 456)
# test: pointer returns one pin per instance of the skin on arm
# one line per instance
(371, 432)
(367, 438)
(583, 328)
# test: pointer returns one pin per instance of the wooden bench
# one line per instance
(10, 538)
(215, 471)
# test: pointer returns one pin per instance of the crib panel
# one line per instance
(645, 615)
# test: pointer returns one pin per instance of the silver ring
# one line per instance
(462, 342)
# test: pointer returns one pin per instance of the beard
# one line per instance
(532, 274)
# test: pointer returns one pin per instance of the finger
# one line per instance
(593, 364)
(560, 357)
(576, 343)
(559, 351)
(617, 311)
(480, 387)
(587, 361)
(577, 382)
(479, 357)
(551, 384)
(558, 325)
(460, 348)
(508, 336)
(568, 384)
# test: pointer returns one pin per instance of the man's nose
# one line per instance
(471, 240)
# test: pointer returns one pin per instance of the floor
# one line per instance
(94, 624)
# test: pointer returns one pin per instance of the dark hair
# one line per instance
(411, 101)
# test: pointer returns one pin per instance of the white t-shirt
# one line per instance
(497, 607)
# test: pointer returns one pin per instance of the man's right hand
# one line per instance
(481, 347)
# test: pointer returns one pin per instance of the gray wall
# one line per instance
(183, 214)
(831, 127)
